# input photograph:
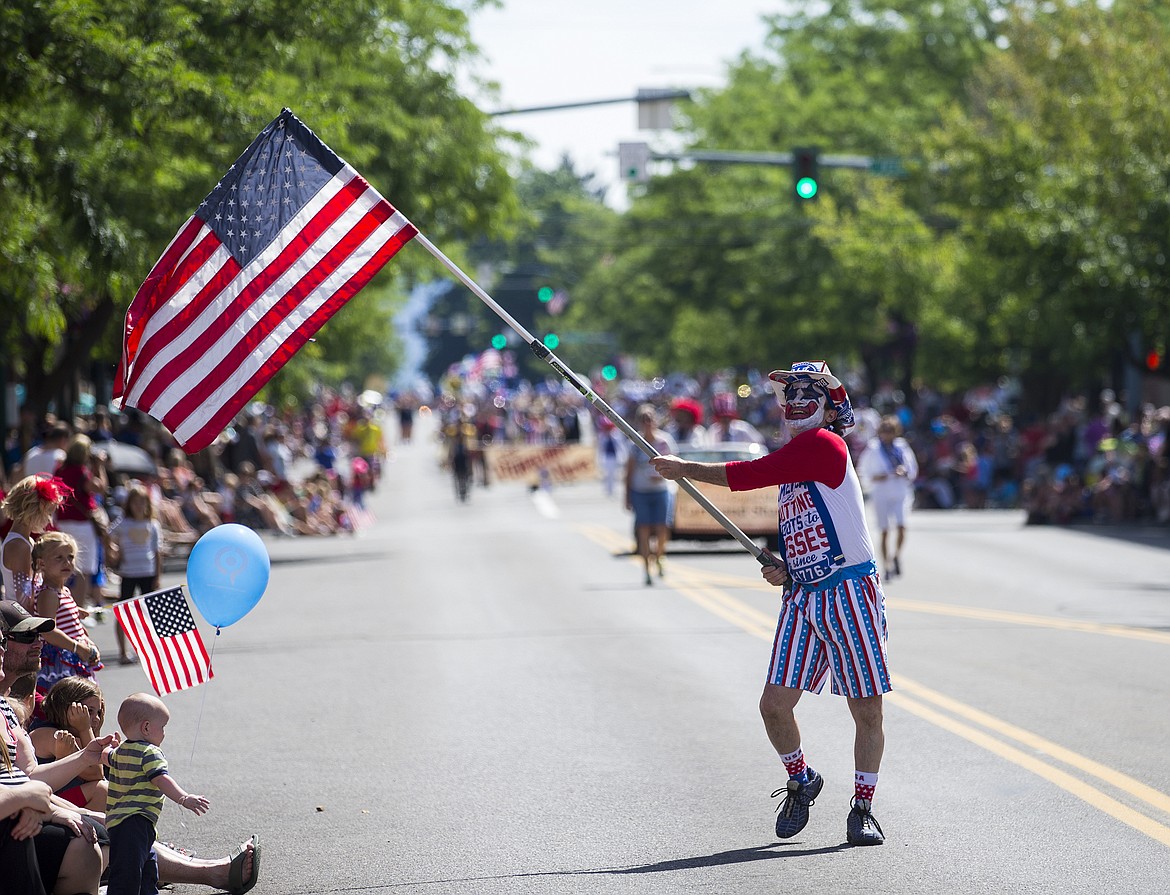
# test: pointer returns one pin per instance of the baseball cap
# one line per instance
(691, 406)
(15, 619)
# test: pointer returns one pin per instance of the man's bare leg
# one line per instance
(870, 739)
(81, 867)
(777, 705)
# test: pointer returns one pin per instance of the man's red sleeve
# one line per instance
(816, 456)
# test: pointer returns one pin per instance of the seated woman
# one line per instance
(237, 873)
(74, 711)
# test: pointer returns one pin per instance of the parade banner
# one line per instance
(532, 463)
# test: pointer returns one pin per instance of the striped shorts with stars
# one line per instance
(834, 630)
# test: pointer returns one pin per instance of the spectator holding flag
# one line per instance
(20, 654)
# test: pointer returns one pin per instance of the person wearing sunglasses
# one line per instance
(832, 625)
(20, 655)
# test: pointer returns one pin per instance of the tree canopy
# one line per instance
(118, 117)
(1023, 230)
(1017, 226)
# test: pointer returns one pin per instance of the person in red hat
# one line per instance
(686, 423)
(832, 625)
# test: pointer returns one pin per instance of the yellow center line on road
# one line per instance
(1066, 781)
(1102, 772)
(729, 609)
(976, 613)
(703, 588)
(1036, 621)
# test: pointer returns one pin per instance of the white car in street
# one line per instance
(754, 512)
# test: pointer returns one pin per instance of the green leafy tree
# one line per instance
(119, 117)
(720, 265)
(1056, 176)
(1026, 234)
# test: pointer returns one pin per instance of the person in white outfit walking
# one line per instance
(888, 468)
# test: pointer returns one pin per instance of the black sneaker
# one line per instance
(798, 797)
(862, 827)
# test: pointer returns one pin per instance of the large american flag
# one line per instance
(289, 234)
(163, 633)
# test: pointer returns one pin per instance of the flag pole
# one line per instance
(581, 385)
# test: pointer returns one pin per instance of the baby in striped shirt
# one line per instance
(138, 781)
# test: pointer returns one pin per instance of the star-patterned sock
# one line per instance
(864, 785)
(795, 765)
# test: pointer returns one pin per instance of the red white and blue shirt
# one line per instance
(821, 509)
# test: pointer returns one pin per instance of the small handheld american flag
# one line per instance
(162, 630)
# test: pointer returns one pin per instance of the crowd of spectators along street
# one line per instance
(297, 473)
(307, 472)
(1086, 461)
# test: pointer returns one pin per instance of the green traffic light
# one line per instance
(609, 372)
(545, 293)
(551, 341)
(806, 187)
(499, 341)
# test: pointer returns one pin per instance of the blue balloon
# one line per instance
(227, 573)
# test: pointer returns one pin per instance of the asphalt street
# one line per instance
(485, 698)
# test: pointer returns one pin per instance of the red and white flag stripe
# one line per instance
(213, 331)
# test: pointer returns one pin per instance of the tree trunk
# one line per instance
(45, 385)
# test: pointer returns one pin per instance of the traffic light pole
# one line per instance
(718, 156)
(633, 159)
(645, 95)
(542, 351)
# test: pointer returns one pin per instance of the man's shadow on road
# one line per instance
(734, 856)
(768, 852)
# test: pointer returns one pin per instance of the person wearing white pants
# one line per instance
(888, 468)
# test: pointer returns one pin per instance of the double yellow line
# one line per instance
(1015, 744)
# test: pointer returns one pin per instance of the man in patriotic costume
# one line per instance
(832, 624)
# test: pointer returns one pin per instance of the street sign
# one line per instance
(656, 107)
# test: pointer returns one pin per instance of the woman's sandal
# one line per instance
(237, 885)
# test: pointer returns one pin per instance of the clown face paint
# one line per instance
(804, 405)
